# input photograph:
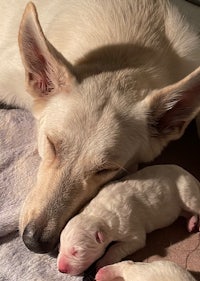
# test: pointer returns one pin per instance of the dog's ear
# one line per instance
(47, 72)
(173, 107)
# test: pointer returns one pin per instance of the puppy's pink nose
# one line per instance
(63, 266)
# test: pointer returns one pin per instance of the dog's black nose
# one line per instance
(34, 239)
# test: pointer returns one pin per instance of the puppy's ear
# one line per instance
(173, 107)
(73, 251)
(47, 72)
(100, 236)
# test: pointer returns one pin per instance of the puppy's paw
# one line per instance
(103, 274)
(108, 273)
(193, 223)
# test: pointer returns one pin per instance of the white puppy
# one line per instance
(124, 212)
(139, 271)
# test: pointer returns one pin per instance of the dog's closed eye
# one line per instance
(103, 171)
(52, 147)
(106, 171)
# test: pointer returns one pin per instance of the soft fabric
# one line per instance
(18, 166)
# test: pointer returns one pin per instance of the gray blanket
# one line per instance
(18, 166)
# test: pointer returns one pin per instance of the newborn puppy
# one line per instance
(139, 271)
(124, 211)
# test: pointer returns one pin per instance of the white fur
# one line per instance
(74, 30)
(155, 271)
(124, 87)
(124, 212)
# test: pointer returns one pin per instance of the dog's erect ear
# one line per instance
(46, 70)
(173, 107)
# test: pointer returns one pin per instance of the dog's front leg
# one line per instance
(120, 250)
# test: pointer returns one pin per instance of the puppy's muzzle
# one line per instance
(38, 239)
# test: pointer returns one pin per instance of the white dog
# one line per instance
(110, 83)
(124, 212)
(139, 271)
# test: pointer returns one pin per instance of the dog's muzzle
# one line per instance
(37, 240)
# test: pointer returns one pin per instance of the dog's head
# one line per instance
(89, 130)
(82, 242)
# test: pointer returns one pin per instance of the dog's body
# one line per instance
(124, 212)
(86, 26)
(111, 103)
(155, 271)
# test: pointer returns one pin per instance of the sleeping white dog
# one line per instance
(139, 271)
(123, 212)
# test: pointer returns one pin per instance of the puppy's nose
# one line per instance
(34, 239)
(63, 266)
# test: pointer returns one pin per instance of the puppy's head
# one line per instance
(82, 242)
(89, 130)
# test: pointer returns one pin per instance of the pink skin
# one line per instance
(107, 274)
(63, 266)
(193, 223)
(69, 261)
(103, 274)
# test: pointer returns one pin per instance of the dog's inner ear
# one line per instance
(46, 71)
(172, 108)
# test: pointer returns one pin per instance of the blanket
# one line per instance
(19, 162)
